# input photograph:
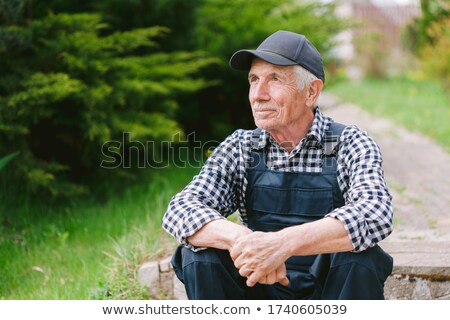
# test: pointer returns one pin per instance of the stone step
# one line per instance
(161, 281)
(421, 270)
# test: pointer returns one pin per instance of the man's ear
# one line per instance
(313, 92)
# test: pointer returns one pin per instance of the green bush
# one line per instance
(69, 84)
(428, 37)
(4, 160)
(436, 55)
(74, 75)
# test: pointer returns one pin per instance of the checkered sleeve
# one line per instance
(367, 214)
(209, 196)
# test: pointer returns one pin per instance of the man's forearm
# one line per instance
(219, 234)
(323, 236)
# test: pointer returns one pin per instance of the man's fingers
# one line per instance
(271, 278)
(240, 261)
(281, 275)
(235, 253)
(278, 275)
(284, 281)
(245, 272)
(254, 278)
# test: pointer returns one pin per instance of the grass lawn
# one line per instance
(416, 105)
(87, 249)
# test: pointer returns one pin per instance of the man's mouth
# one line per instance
(264, 109)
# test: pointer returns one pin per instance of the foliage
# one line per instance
(122, 15)
(416, 34)
(436, 55)
(129, 253)
(4, 160)
(177, 15)
(10, 10)
(315, 20)
(69, 84)
(427, 37)
(122, 282)
(432, 11)
(77, 74)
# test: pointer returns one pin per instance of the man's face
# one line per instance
(276, 102)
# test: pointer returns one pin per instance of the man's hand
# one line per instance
(257, 255)
(260, 257)
(278, 275)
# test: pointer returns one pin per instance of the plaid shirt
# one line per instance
(219, 189)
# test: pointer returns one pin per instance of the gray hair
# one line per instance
(304, 77)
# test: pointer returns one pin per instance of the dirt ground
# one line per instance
(416, 169)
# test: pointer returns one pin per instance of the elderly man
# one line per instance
(310, 193)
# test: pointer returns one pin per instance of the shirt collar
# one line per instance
(319, 126)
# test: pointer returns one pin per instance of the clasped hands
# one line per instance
(260, 257)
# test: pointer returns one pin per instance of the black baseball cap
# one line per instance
(283, 48)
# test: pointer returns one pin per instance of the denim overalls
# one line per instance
(276, 200)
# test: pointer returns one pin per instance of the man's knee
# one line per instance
(185, 260)
(373, 259)
(207, 274)
(347, 275)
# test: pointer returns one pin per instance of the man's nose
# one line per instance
(261, 92)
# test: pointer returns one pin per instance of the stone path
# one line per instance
(417, 171)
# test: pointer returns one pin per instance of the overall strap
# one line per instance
(255, 139)
(331, 138)
(330, 141)
(257, 155)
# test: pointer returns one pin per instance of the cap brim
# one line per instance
(242, 59)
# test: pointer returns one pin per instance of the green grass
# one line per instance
(87, 249)
(421, 106)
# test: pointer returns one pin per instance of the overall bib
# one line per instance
(276, 200)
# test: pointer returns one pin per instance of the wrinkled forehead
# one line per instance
(260, 66)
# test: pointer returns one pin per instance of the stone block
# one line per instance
(421, 270)
(165, 265)
(148, 275)
(166, 289)
(179, 292)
